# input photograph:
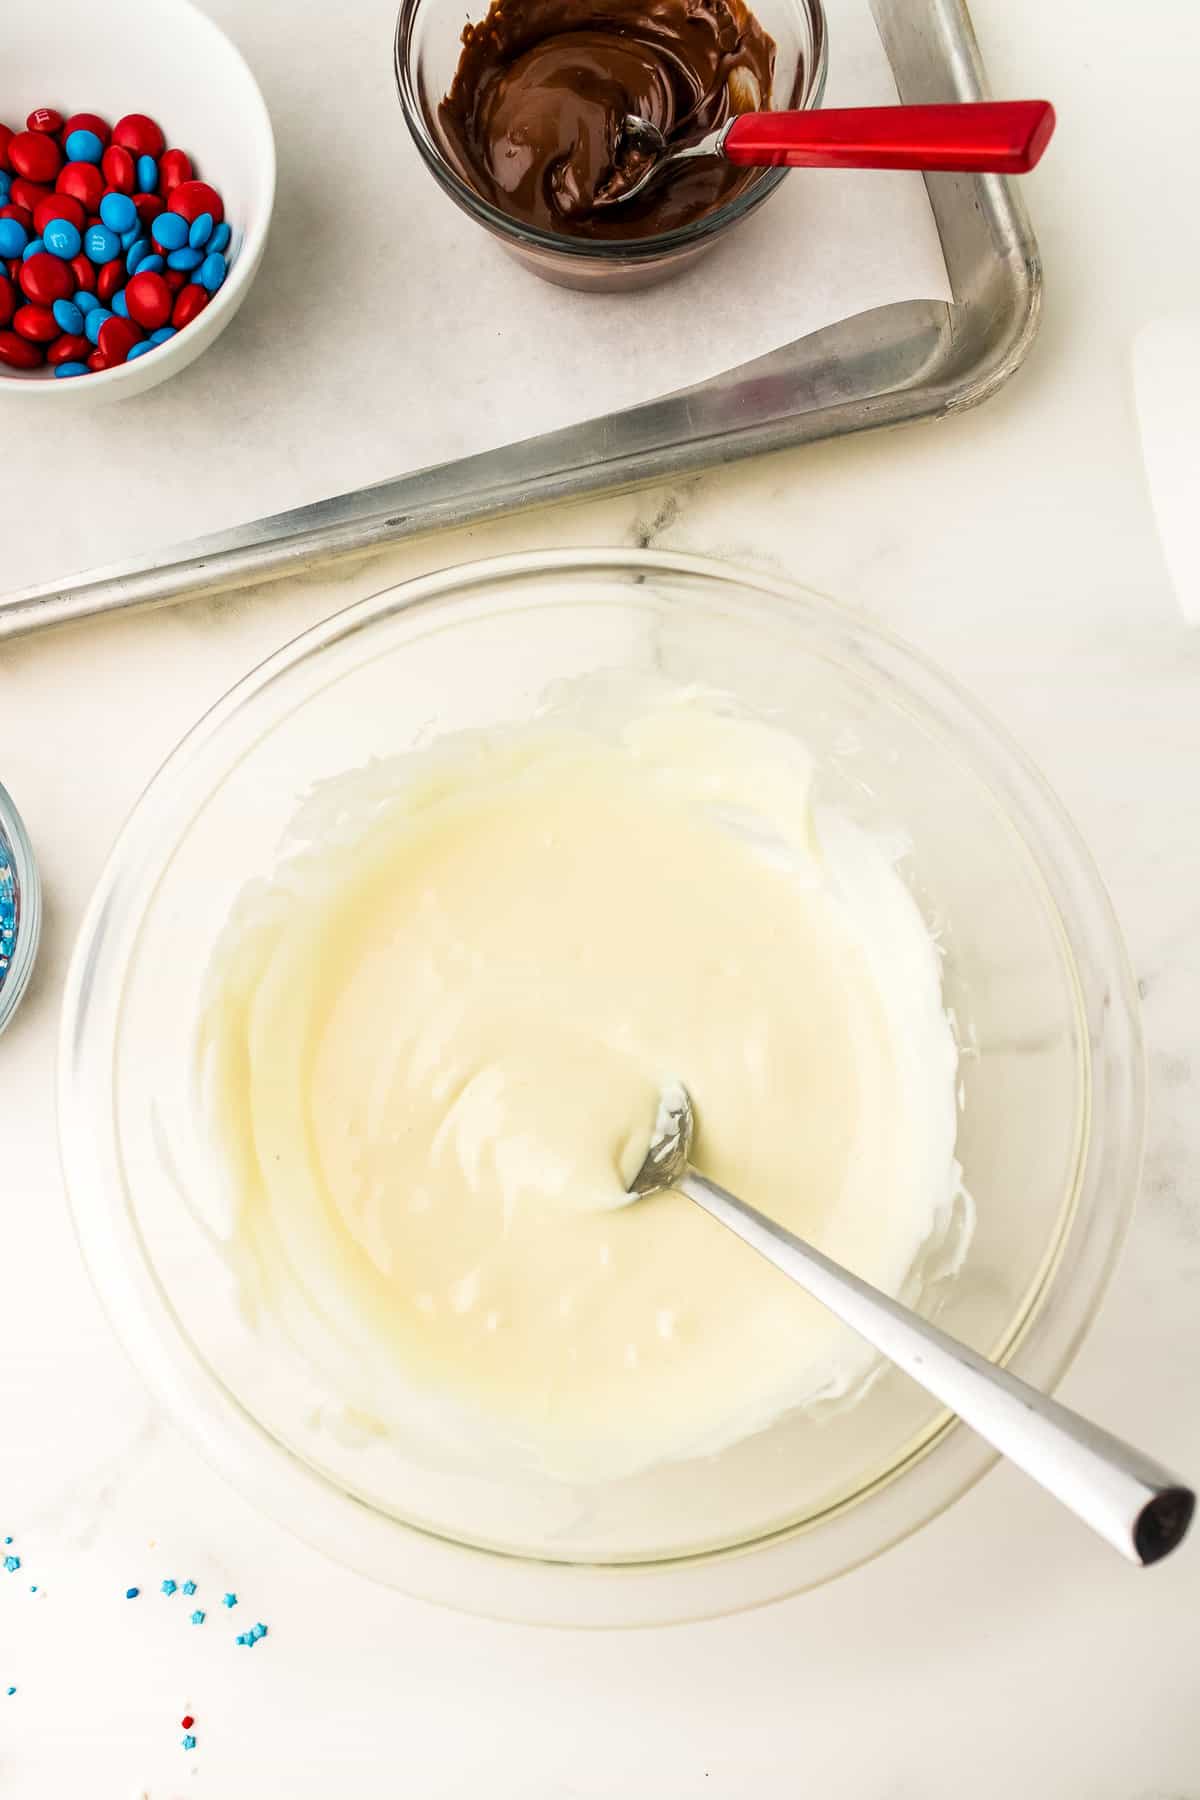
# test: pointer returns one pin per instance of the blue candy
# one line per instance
(13, 238)
(98, 316)
(67, 316)
(86, 302)
(202, 229)
(62, 238)
(212, 271)
(136, 253)
(83, 146)
(129, 238)
(100, 244)
(142, 349)
(184, 259)
(220, 237)
(162, 334)
(170, 231)
(5, 184)
(32, 248)
(118, 212)
(150, 265)
(147, 175)
(119, 304)
(64, 369)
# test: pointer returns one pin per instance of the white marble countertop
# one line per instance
(1001, 1650)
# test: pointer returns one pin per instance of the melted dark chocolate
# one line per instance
(533, 118)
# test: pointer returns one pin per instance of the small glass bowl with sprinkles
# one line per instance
(20, 908)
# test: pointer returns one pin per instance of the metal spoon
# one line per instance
(991, 137)
(1130, 1500)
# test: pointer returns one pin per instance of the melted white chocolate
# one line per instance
(437, 1049)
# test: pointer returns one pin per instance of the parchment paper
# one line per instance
(385, 332)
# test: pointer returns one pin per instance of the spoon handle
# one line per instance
(1134, 1503)
(996, 137)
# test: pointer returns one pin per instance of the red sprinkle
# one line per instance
(174, 169)
(46, 278)
(37, 323)
(148, 298)
(34, 155)
(18, 352)
(187, 1721)
(88, 122)
(118, 168)
(109, 278)
(68, 349)
(44, 118)
(84, 182)
(189, 303)
(138, 133)
(191, 198)
(58, 206)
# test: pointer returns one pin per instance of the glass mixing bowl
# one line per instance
(427, 46)
(1035, 980)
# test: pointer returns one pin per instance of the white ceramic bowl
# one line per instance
(164, 58)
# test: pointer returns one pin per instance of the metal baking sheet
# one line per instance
(921, 359)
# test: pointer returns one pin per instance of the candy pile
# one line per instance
(108, 244)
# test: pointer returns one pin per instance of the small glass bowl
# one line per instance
(20, 908)
(428, 42)
(1033, 973)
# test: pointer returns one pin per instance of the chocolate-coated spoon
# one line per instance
(1131, 1501)
(984, 137)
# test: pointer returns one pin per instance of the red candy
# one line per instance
(45, 279)
(83, 182)
(109, 279)
(58, 206)
(117, 338)
(189, 303)
(45, 188)
(174, 169)
(88, 122)
(18, 352)
(118, 168)
(34, 155)
(191, 198)
(28, 193)
(149, 300)
(138, 133)
(37, 323)
(68, 349)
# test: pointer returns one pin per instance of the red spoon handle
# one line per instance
(985, 137)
